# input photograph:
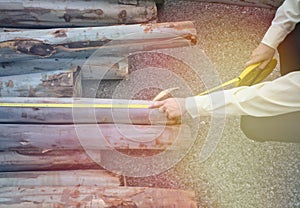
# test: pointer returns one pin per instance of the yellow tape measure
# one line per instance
(248, 77)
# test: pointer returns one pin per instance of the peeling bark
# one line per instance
(47, 84)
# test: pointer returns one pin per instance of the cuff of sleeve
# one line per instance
(274, 36)
(195, 106)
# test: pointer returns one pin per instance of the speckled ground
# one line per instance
(240, 173)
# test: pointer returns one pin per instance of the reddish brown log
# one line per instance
(86, 196)
(35, 160)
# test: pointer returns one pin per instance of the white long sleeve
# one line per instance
(285, 20)
(279, 96)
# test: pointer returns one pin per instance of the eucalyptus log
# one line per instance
(100, 68)
(43, 139)
(90, 115)
(99, 178)
(87, 196)
(70, 13)
(64, 83)
(54, 160)
(83, 42)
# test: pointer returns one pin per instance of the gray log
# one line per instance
(82, 42)
(69, 13)
(100, 68)
(99, 178)
(43, 139)
(65, 115)
(64, 83)
(86, 196)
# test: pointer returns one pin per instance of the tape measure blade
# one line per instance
(220, 86)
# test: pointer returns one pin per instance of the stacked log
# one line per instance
(64, 83)
(83, 188)
(58, 130)
(70, 13)
(101, 52)
(83, 42)
(61, 133)
(111, 67)
(85, 196)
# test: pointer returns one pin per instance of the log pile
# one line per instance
(53, 145)
(48, 50)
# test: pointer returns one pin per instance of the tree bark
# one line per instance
(70, 13)
(83, 42)
(64, 83)
(86, 196)
(90, 115)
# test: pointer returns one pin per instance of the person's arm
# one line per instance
(287, 16)
(265, 99)
(284, 22)
(279, 96)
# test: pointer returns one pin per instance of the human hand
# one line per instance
(263, 54)
(173, 108)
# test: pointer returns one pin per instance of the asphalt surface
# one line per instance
(240, 172)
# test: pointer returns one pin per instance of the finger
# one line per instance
(162, 109)
(156, 104)
(254, 60)
(264, 64)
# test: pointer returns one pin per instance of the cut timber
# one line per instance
(82, 42)
(70, 13)
(57, 160)
(99, 178)
(67, 115)
(100, 68)
(43, 139)
(86, 196)
(64, 83)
